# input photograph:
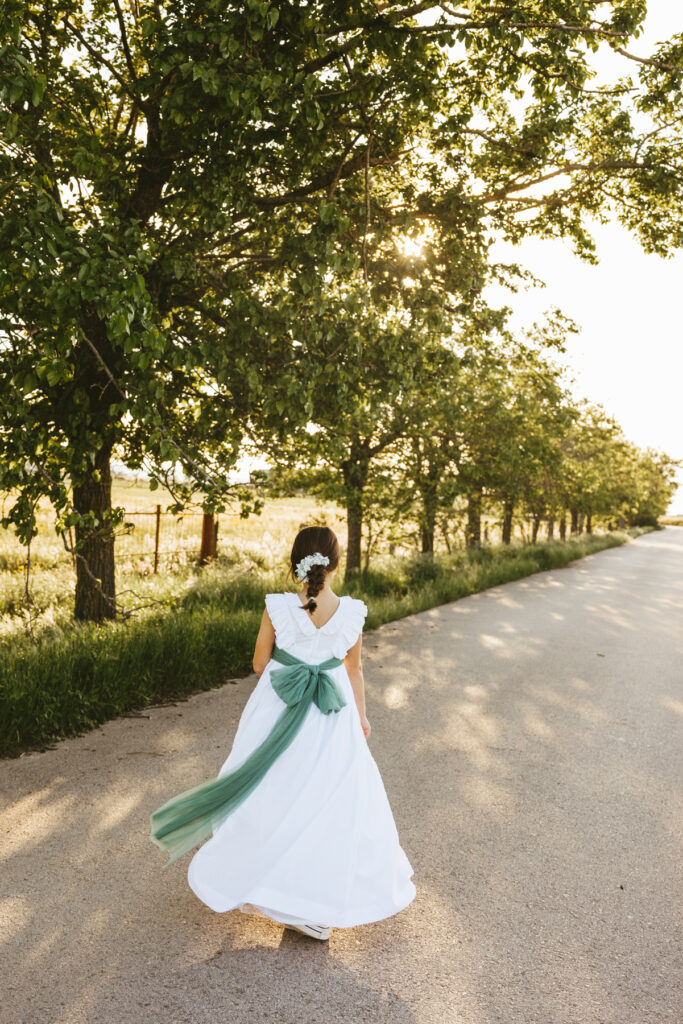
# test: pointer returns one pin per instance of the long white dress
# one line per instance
(316, 839)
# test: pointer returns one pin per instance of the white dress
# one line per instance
(316, 839)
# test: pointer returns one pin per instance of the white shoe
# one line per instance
(316, 931)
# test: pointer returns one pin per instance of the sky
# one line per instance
(629, 354)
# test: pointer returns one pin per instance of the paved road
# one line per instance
(530, 743)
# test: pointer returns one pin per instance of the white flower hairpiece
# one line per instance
(303, 567)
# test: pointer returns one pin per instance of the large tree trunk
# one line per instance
(427, 480)
(354, 524)
(535, 523)
(95, 573)
(575, 520)
(429, 503)
(428, 542)
(563, 526)
(551, 528)
(473, 534)
(508, 510)
(589, 522)
(355, 472)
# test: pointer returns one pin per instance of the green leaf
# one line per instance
(38, 89)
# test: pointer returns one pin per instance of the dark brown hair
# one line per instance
(307, 542)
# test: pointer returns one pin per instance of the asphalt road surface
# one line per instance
(529, 739)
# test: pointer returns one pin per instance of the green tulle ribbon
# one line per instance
(192, 816)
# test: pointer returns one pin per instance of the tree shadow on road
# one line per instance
(538, 796)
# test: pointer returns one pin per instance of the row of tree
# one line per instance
(479, 436)
(205, 211)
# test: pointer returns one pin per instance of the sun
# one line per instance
(413, 245)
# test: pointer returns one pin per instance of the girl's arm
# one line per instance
(264, 644)
(354, 667)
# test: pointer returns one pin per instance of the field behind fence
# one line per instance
(158, 540)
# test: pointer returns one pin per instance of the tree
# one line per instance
(175, 176)
(176, 193)
(534, 418)
(428, 455)
(595, 457)
(654, 475)
(370, 368)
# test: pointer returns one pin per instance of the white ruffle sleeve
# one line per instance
(351, 626)
(281, 617)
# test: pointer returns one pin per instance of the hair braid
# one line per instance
(315, 583)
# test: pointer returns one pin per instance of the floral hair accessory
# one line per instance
(303, 567)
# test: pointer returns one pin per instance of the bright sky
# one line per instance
(629, 354)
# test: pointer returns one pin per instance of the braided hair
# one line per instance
(307, 541)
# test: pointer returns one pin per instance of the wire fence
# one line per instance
(156, 535)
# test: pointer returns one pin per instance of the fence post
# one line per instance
(156, 540)
(208, 548)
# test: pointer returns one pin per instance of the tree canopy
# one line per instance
(181, 181)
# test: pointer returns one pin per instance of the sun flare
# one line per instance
(413, 245)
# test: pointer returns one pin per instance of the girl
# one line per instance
(300, 826)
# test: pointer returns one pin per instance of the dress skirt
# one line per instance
(316, 840)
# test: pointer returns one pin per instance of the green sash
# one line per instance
(192, 816)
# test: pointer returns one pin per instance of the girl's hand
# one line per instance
(365, 726)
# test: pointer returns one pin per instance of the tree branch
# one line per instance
(107, 64)
(559, 26)
(124, 40)
(605, 165)
(324, 180)
(650, 61)
(335, 181)
(367, 210)
(378, 21)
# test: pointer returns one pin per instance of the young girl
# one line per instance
(300, 823)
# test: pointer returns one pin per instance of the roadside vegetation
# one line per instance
(79, 675)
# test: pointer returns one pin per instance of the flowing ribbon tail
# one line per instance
(192, 816)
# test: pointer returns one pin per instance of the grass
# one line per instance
(77, 676)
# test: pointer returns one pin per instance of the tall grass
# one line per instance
(74, 678)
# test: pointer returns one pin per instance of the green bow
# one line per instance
(301, 682)
(192, 816)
